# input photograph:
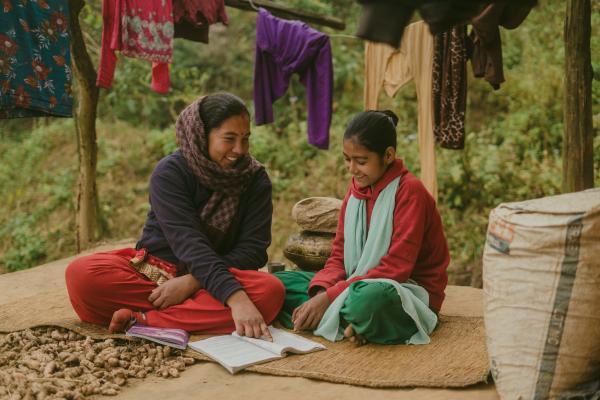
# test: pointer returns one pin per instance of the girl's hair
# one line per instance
(217, 107)
(375, 130)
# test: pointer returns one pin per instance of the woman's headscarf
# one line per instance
(227, 184)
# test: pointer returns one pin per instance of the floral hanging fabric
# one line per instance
(35, 73)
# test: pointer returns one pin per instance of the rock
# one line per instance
(317, 214)
(309, 251)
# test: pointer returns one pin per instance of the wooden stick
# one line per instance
(55, 379)
(85, 126)
(279, 10)
(578, 143)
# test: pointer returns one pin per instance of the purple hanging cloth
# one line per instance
(287, 47)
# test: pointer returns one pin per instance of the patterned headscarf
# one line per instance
(227, 184)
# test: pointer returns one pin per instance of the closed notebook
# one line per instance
(236, 352)
(177, 338)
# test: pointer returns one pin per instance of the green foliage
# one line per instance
(37, 179)
(28, 246)
(513, 146)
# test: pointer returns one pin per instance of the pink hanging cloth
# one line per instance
(140, 29)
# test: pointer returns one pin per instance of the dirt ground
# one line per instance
(208, 380)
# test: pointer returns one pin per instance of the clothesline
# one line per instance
(253, 5)
(282, 11)
(343, 36)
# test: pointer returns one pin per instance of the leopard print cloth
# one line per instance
(450, 87)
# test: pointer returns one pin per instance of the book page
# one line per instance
(284, 341)
(233, 353)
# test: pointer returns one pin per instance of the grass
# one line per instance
(513, 147)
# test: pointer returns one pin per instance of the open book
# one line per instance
(236, 352)
(177, 338)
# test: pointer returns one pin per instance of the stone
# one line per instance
(317, 214)
(308, 250)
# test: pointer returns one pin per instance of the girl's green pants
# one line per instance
(374, 309)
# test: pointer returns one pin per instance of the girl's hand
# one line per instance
(174, 291)
(309, 314)
(246, 317)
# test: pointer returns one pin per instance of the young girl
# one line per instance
(384, 281)
(206, 234)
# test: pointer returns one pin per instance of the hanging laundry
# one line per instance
(391, 69)
(35, 73)
(287, 47)
(449, 87)
(383, 21)
(140, 29)
(486, 59)
(193, 17)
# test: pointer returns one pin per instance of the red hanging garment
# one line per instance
(140, 29)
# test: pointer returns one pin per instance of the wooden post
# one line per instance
(578, 146)
(85, 123)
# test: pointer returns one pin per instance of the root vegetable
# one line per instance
(112, 362)
(73, 372)
(46, 363)
(32, 364)
(72, 360)
(141, 374)
(49, 368)
(87, 364)
(148, 361)
(90, 355)
(28, 345)
(56, 335)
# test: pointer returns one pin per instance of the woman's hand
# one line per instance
(309, 314)
(174, 291)
(246, 317)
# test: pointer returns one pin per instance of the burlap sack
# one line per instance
(309, 251)
(317, 214)
(541, 279)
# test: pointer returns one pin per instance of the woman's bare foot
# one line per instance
(353, 337)
(123, 319)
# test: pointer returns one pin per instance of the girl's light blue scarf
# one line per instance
(363, 252)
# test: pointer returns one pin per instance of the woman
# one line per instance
(206, 234)
(384, 281)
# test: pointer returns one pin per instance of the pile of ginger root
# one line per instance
(55, 363)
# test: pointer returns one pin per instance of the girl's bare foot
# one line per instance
(353, 337)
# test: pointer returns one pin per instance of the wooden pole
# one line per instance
(282, 11)
(578, 144)
(85, 123)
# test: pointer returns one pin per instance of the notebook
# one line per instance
(236, 352)
(177, 338)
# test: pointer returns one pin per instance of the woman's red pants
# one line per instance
(102, 283)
